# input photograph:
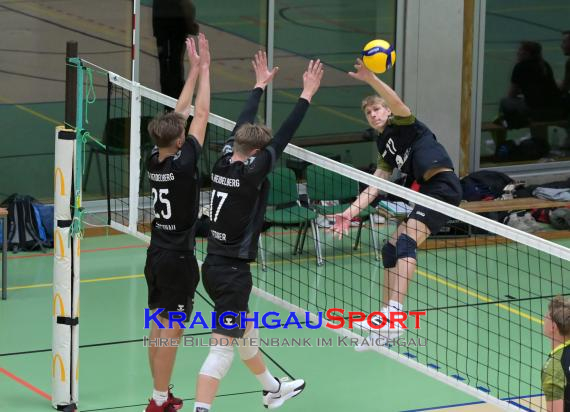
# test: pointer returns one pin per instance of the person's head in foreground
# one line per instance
(557, 320)
(168, 130)
(250, 139)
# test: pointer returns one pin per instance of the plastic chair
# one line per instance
(285, 209)
(326, 185)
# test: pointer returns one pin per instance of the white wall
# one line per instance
(433, 45)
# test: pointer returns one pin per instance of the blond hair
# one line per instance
(166, 128)
(559, 311)
(373, 99)
(250, 137)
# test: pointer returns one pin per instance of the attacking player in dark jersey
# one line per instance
(171, 269)
(406, 144)
(239, 196)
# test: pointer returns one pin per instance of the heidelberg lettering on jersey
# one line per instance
(225, 181)
(161, 177)
(174, 192)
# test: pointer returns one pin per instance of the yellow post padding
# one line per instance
(61, 181)
(59, 241)
(57, 297)
(61, 367)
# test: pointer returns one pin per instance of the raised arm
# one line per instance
(263, 76)
(311, 83)
(202, 107)
(396, 105)
(185, 100)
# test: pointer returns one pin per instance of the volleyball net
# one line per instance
(484, 286)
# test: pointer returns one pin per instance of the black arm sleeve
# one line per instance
(289, 127)
(249, 111)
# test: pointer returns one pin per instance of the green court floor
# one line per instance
(113, 365)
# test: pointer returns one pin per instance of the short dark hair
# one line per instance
(166, 128)
(559, 311)
(250, 137)
(565, 32)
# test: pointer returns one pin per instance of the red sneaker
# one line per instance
(176, 402)
(167, 406)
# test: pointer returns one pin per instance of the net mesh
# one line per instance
(484, 286)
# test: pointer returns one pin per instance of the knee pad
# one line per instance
(389, 257)
(406, 247)
(218, 362)
(245, 349)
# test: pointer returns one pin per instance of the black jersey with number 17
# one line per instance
(240, 190)
(175, 192)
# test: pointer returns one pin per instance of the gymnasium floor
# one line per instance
(113, 365)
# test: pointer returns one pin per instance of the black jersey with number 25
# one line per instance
(175, 190)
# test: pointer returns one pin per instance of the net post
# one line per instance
(71, 51)
(61, 362)
(134, 156)
(67, 219)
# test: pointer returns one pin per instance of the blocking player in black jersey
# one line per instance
(171, 269)
(406, 144)
(239, 196)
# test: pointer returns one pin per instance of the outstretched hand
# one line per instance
(362, 73)
(193, 56)
(341, 225)
(204, 47)
(196, 60)
(312, 79)
(263, 76)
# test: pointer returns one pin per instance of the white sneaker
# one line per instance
(386, 332)
(531, 222)
(287, 390)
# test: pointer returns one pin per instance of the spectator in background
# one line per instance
(533, 96)
(172, 22)
(533, 93)
(555, 373)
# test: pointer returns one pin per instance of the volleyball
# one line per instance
(378, 56)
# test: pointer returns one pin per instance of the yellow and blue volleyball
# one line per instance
(378, 56)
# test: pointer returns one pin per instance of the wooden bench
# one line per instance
(485, 206)
(523, 203)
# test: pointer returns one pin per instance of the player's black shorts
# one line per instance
(228, 283)
(171, 278)
(443, 186)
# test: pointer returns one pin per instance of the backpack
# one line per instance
(25, 229)
(484, 184)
